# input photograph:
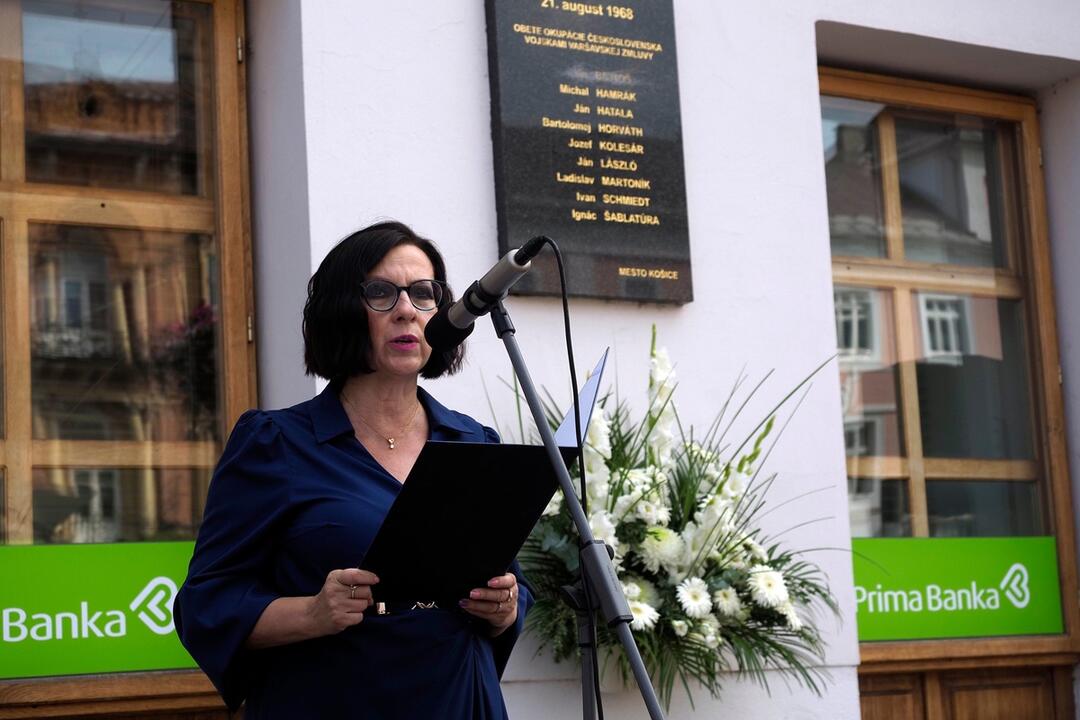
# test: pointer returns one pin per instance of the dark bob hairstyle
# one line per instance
(337, 343)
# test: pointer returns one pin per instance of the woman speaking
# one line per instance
(274, 609)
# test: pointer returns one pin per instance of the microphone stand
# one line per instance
(604, 588)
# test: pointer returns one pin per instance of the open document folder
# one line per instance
(465, 511)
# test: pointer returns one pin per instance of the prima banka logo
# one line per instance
(937, 598)
(153, 606)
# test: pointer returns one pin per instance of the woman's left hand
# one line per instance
(497, 603)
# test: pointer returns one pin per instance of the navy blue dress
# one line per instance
(294, 496)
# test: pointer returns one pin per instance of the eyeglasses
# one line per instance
(382, 296)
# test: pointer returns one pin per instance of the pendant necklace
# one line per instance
(390, 441)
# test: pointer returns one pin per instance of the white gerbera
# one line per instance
(793, 620)
(767, 586)
(727, 601)
(661, 546)
(693, 595)
(680, 627)
(645, 615)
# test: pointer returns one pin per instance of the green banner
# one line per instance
(74, 609)
(922, 588)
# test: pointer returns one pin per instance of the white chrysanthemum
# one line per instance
(793, 620)
(727, 601)
(603, 528)
(631, 590)
(709, 625)
(554, 504)
(639, 479)
(649, 593)
(680, 627)
(693, 595)
(645, 615)
(767, 586)
(661, 546)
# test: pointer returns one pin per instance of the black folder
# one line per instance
(465, 511)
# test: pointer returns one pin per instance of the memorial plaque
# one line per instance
(588, 145)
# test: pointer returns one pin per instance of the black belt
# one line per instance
(396, 607)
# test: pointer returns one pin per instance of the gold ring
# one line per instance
(498, 607)
(352, 592)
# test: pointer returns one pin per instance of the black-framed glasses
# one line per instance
(382, 295)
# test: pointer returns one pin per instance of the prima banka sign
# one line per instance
(922, 588)
(75, 609)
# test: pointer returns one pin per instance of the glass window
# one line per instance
(974, 398)
(878, 507)
(104, 505)
(937, 388)
(982, 508)
(134, 353)
(853, 170)
(117, 94)
(953, 177)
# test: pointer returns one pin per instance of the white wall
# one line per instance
(396, 124)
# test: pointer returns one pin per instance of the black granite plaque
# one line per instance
(588, 145)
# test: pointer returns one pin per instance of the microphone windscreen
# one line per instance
(441, 334)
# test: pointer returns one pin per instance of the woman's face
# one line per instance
(397, 336)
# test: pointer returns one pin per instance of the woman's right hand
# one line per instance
(341, 602)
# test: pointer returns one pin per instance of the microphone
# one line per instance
(455, 322)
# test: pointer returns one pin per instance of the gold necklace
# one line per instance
(390, 441)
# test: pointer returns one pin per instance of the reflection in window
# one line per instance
(868, 377)
(983, 508)
(945, 327)
(853, 176)
(952, 189)
(97, 505)
(124, 335)
(878, 508)
(116, 93)
(972, 375)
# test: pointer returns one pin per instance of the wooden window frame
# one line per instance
(1030, 278)
(226, 215)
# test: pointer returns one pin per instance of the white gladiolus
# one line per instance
(693, 595)
(603, 528)
(793, 620)
(767, 586)
(598, 436)
(644, 615)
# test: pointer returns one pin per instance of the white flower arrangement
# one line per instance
(705, 590)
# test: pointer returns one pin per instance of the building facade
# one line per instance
(888, 183)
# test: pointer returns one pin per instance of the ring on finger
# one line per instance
(498, 607)
(509, 595)
(352, 592)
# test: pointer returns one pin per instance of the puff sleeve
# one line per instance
(230, 577)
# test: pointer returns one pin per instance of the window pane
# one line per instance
(124, 334)
(97, 505)
(868, 377)
(983, 508)
(955, 182)
(974, 399)
(878, 508)
(116, 94)
(853, 176)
